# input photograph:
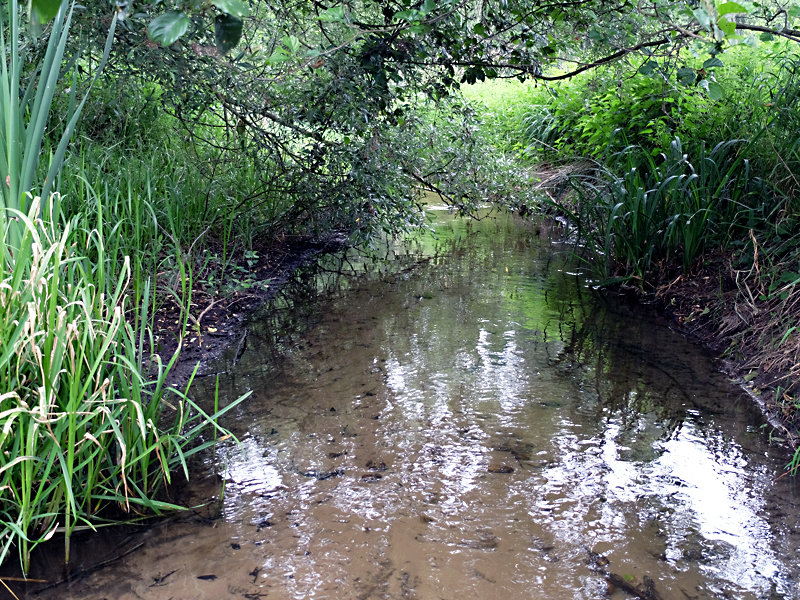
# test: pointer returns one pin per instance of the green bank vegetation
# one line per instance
(83, 401)
(150, 151)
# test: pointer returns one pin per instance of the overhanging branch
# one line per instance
(789, 34)
(604, 60)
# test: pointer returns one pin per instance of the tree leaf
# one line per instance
(333, 14)
(702, 17)
(727, 27)
(44, 10)
(420, 28)
(166, 29)
(648, 68)
(292, 43)
(712, 62)
(278, 56)
(227, 32)
(234, 8)
(597, 35)
(715, 91)
(731, 7)
(686, 76)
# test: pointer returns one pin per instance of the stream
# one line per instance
(463, 417)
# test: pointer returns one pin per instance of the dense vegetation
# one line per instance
(148, 151)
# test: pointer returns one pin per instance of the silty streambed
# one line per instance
(466, 421)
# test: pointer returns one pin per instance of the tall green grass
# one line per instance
(667, 209)
(82, 429)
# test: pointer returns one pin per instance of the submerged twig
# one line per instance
(240, 348)
(85, 572)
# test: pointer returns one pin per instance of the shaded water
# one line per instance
(470, 421)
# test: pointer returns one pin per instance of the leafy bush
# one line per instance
(598, 113)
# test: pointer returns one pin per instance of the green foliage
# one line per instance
(668, 211)
(602, 112)
(24, 112)
(448, 151)
(44, 10)
(172, 25)
(167, 28)
(81, 425)
(502, 106)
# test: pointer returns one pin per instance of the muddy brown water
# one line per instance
(468, 420)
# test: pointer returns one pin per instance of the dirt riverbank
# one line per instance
(732, 312)
(218, 313)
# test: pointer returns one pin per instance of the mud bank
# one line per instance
(731, 311)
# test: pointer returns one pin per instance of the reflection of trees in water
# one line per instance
(308, 294)
(627, 367)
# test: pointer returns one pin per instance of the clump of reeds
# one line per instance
(667, 209)
(80, 427)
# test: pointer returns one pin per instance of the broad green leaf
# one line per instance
(702, 17)
(278, 56)
(727, 27)
(45, 9)
(731, 7)
(766, 37)
(227, 32)
(292, 43)
(166, 29)
(234, 8)
(429, 6)
(686, 76)
(794, 11)
(712, 62)
(479, 29)
(596, 34)
(715, 91)
(333, 14)
(406, 15)
(648, 68)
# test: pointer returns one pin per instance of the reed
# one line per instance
(81, 429)
(25, 109)
(667, 208)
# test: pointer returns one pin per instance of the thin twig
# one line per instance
(85, 572)
(8, 588)
(239, 347)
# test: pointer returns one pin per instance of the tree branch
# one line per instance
(789, 34)
(586, 67)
